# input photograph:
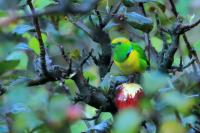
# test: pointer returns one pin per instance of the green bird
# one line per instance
(128, 56)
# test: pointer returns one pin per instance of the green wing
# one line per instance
(143, 65)
(139, 50)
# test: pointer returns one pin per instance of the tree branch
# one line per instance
(188, 27)
(147, 38)
(173, 8)
(40, 81)
(192, 52)
(111, 14)
(41, 43)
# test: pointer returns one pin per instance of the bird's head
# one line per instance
(121, 48)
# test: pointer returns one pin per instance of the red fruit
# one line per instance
(74, 112)
(128, 95)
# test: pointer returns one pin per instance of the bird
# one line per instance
(128, 56)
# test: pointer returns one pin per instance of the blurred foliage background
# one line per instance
(45, 108)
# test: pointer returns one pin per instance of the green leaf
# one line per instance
(159, 8)
(152, 81)
(65, 27)
(139, 22)
(157, 43)
(3, 13)
(58, 103)
(179, 101)
(78, 127)
(92, 74)
(42, 4)
(39, 99)
(72, 86)
(105, 4)
(130, 3)
(7, 65)
(127, 121)
(22, 57)
(75, 54)
(106, 116)
(22, 46)
(34, 43)
(20, 29)
(25, 120)
(172, 126)
(20, 91)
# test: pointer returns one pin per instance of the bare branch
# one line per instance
(186, 28)
(40, 81)
(190, 63)
(111, 14)
(39, 36)
(86, 58)
(173, 8)
(99, 18)
(147, 38)
(192, 52)
(82, 26)
(63, 53)
(181, 67)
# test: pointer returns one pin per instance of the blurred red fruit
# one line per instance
(74, 113)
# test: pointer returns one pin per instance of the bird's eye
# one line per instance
(119, 43)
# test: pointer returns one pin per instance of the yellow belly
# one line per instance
(130, 65)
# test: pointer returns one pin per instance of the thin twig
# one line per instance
(192, 52)
(39, 36)
(147, 38)
(82, 26)
(111, 14)
(173, 8)
(190, 63)
(188, 27)
(40, 81)
(63, 53)
(67, 59)
(99, 17)
(181, 67)
(86, 58)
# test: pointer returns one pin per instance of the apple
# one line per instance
(128, 95)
